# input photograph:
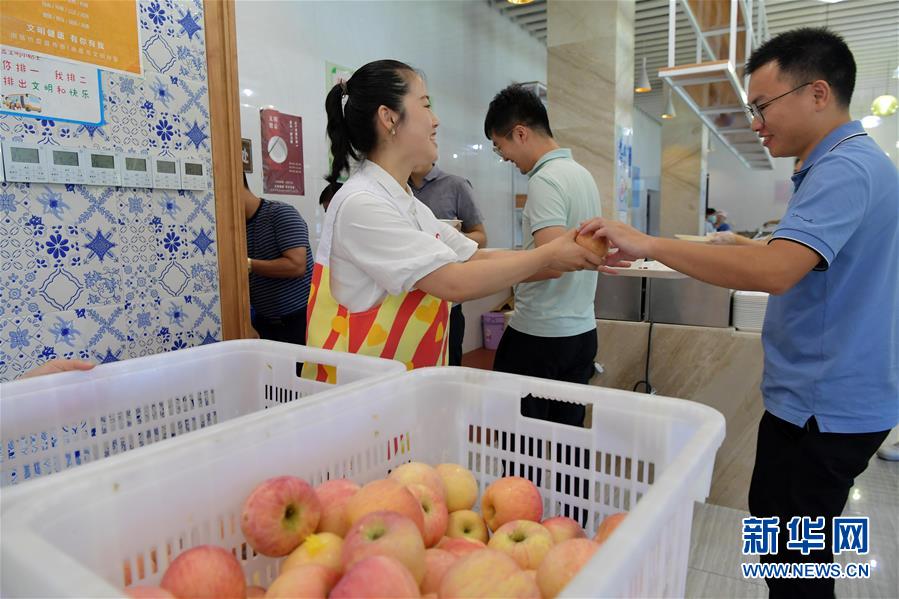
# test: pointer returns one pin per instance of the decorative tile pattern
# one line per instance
(105, 273)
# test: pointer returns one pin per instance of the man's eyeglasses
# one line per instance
(754, 111)
(508, 135)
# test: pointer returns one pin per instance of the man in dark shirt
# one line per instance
(280, 267)
(450, 198)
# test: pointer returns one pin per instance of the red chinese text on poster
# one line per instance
(282, 153)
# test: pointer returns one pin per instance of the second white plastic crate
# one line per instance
(52, 423)
(102, 526)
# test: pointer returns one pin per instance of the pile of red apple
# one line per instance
(412, 534)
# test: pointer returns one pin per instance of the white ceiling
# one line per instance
(870, 27)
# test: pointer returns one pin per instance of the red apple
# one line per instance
(511, 498)
(375, 577)
(386, 533)
(279, 514)
(323, 548)
(434, 510)
(385, 495)
(562, 563)
(419, 473)
(563, 528)
(466, 524)
(255, 592)
(487, 573)
(309, 581)
(437, 562)
(205, 571)
(142, 592)
(459, 546)
(608, 526)
(524, 541)
(333, 496)
(461, 487)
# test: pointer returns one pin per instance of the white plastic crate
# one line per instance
(56, 422)
(98, 527)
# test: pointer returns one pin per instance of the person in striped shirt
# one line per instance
(280, 267)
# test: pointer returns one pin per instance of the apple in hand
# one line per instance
(255, 592)
(386, 533)
(511, 498)
(562, 563)
(461, 487)
(333, 496)
(309, 581)
(419, 473)
(322, 548)
(205, 571)
(608, 526)
(434, 510)
(599, 246)
(487, 573)
(563, 528)
(385, 495)
(376, 577)
(279, 514)
(466, 524)
(524, 541)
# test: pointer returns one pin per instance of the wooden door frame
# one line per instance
(227, 169)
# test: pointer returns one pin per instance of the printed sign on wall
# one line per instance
(282, 153)
(47, 88)
(103, 33)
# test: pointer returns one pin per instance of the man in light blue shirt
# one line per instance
(552, 333)
(831, 334)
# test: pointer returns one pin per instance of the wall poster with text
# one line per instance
(282, 153)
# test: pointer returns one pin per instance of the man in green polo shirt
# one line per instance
(552, 333)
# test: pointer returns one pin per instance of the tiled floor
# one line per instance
(715, 546)
(479, 358)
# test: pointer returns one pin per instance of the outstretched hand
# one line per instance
(57, 365)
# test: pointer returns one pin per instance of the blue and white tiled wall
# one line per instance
(107, 273)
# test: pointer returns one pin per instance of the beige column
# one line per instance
(683, 170)
(590, 85)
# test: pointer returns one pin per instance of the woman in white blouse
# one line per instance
(386, 268)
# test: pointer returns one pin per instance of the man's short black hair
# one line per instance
(710, 211)
(807, 54)
(516, 105)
